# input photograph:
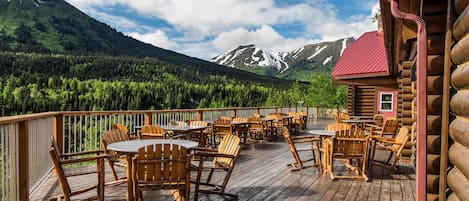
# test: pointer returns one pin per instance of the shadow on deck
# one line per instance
(261, 174)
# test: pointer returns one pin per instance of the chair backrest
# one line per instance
(291, 145)
(401, 138)
(229, 145)
(239, 119)
(224, 118)
(121, 127)
(349, 142)
(255, 115)
(55, 155)
(113, 135)
(390, 125)
(153, 132)
(378, 118)
(222, 127)
(163, 166)
(255, 123)
(198, 123)
(338, 126)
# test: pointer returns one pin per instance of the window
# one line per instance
(386, 102)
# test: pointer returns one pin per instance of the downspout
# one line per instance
(421, 177)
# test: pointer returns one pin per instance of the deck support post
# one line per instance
(23, 161)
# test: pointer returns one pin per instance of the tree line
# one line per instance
(38, 82)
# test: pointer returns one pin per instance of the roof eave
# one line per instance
(361, 75)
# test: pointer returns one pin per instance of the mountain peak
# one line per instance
(320, 56)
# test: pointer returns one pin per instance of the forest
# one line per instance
(32, 82)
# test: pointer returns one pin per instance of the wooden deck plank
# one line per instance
(261, 174)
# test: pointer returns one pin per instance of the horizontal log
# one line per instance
(460, 51)
(406, 113)
(433, 123)
(406, 152)
(407, 121)
(459, 131)
(435, 64)
(406, 89)
(433, 182)
(406, 73)
(458, 183)
(433, 164)
(407, 105)
(434, 104)
(436, 44)
(406, 65)
(461, 25)
(433, 144)
(405, 81)
(407, 97)
(458, 155)
(460, 5)
(459, 103)
(453, 197)
(460, 75)
(434, 85)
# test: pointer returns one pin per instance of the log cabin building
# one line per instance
(426, 45)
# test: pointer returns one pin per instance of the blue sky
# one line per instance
(206, 28)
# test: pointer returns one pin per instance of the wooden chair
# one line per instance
(395, 146)
(111, 136)
(342, 116)
(199, 136)
(241, 129)
(152, 132)
(256, 130)
(297, 122)
(221, 128)
(224, 118)
(162, 167)
(60, 160)
(348, 144)
(125, 129)
(224, 159)
(389, 127)
(379, 118)
(314, 143)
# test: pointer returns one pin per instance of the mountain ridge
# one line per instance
(309, 58)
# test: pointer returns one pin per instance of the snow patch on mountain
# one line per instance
(344, 45)
(327, 60)
(318, 50)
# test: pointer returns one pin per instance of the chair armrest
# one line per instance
(214, 154)
(82, 153)
(80, 160)
(307, 140)
(305, 136)
(205, 149)
(373, 125)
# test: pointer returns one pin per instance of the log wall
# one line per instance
(459, 128)
(362, 100)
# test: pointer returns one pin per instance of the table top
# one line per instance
(358, 121)
(320, 132)
(361, 117)
(177, 127)
(132, 146)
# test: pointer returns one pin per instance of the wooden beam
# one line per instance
(59, 131)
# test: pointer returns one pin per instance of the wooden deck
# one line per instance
(261, 174)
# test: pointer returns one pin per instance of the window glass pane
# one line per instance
(386, 97)
(386, 106)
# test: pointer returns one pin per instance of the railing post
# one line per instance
(317, 112)
(23, 161)
(307, 113)
(258, 110)
(200, 115)
(59, 131)
(148, 118)
(276, 110)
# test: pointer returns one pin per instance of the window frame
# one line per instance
(381, 101)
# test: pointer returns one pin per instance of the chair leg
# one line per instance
(100, 188)
(210, 174)
(113, 170)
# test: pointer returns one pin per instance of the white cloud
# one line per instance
(157, 38)
(264, 37)
(207, 26)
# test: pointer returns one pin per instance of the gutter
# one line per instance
(421, 173)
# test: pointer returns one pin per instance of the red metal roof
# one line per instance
(366, 57)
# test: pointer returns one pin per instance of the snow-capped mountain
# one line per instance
(319, 56)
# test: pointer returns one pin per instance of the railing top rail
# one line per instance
(17, 118)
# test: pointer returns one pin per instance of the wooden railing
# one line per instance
(25, 139)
